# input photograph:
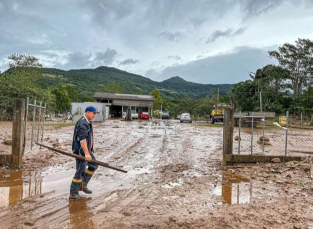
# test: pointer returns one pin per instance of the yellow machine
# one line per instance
(217, 113)
(282, 120)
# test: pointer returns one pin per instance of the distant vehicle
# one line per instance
(134, 115)
(144, 115)
(165, 116)
(217, 113)
(185, 117)
(178, 116)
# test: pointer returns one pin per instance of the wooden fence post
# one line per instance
(18, 133)
(228, 135)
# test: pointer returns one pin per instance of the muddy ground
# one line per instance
(175, 180)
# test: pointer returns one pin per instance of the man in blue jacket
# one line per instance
(83, 145)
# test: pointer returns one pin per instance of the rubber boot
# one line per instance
(74, 195)
(86, 178)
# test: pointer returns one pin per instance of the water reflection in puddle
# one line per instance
(19, 185)
(80, 214)
(235, 189)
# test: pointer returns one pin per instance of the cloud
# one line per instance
(173, 37)
(152, 73)
(257, 7)
(129, 62)
(172, 57)
(87, 60)
(226, 68)
(155, 63)
(77, 60)
(226, 33)
(117, 33)
(105, 58)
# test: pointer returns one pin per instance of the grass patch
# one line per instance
(209, 125)
(59, 125)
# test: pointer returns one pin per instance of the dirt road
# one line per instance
(175, 180)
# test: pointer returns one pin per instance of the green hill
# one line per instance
(88, 81)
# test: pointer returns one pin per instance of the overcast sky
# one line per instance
(203, 41)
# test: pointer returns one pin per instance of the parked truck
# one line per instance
(217, 115)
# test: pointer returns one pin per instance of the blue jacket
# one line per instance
(83, 130)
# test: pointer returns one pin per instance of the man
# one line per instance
(83, 145)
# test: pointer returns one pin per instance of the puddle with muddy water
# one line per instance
(234, 189)
(19, 185)
(80, 214)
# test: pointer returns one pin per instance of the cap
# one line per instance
(91, 109)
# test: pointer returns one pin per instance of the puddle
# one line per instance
(235, 189)
(19, 185)
(80, 214)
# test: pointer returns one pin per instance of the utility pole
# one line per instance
(261, 100)
(217, 98)
(218, 93)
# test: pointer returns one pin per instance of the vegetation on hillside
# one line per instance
(89, 81)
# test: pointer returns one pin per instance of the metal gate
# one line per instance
(34, 111)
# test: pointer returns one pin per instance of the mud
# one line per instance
(175, 180)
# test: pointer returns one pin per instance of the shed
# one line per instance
(119, 103)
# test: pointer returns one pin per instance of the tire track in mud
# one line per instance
(152, 194)
(37, 211)
(131, 197)
(156, 199)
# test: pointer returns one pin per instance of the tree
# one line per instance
(13, 86)
(21, 81)
(271, 77)
(158, 99)
(62, 98)
(244, 95)
(26, 65)
(298, 60)
(72, 93)
(112, 88)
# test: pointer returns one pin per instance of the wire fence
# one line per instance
(282, 136)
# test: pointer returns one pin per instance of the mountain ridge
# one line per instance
(88, 81)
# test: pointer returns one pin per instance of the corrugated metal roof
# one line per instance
(99, 95)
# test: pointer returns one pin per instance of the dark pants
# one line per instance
(81, 167)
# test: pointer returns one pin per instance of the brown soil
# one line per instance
(174, 180)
